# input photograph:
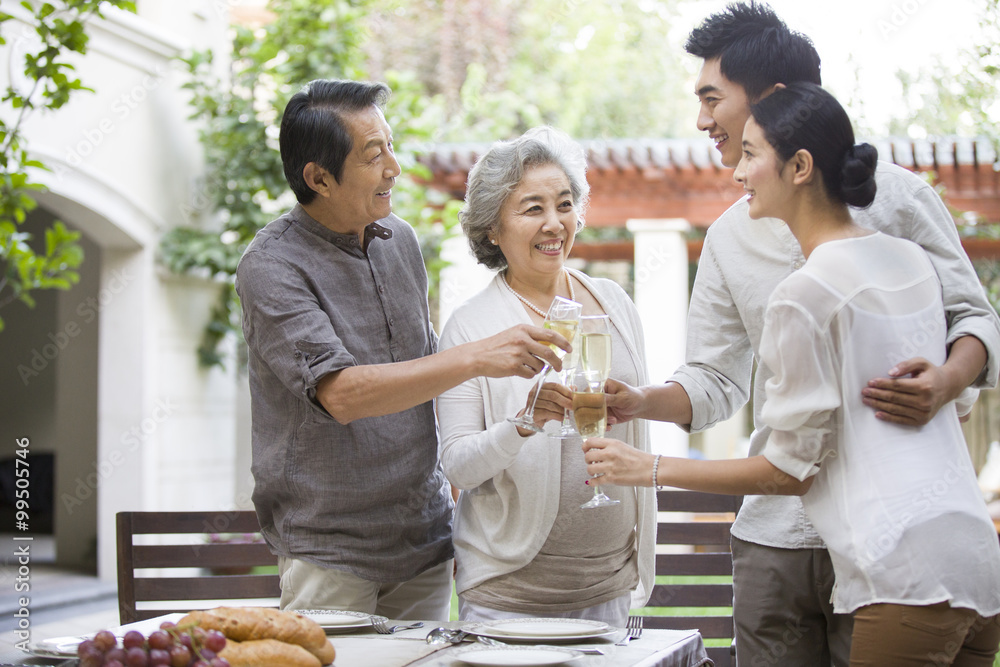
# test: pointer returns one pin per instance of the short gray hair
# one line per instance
(499, 171)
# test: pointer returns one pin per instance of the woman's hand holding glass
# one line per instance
(563, 317)
(621, 464)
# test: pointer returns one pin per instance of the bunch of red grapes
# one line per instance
(170, 646)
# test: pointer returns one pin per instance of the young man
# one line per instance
(348, 486)
(782, 573)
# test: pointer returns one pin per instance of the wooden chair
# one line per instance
(216, 559)
(704, 526)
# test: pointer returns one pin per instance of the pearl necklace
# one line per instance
(569, 283)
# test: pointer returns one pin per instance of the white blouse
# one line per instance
(898, 507)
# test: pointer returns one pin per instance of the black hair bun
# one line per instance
(857, 175)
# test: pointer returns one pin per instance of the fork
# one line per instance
(633, 630)
(383, 629)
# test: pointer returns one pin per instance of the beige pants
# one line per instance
(932, 636)
(426, 597)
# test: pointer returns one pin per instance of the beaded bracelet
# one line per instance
(656, 464)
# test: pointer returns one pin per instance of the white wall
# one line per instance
(126, 162)
(461, 279)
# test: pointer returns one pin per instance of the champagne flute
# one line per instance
(570, 364)
(563, 317)
(595, 344)
(594, 335)
(590, 411)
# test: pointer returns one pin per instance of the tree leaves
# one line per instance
(245, 186)
(60, 29)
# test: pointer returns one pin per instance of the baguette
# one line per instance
(267, 653)
(252, 623)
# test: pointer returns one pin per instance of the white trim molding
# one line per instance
(120, 35)
(91, 203)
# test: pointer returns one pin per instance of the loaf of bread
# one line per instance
(267, 653)
(244, 624)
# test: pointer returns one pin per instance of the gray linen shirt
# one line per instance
(743, 260)
(368, 497)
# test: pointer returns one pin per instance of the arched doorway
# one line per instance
(73, 374)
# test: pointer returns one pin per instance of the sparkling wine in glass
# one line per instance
(592, 349)
(590, 412)
(595, 344)
(563, 317)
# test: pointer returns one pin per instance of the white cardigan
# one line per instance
(508, 502)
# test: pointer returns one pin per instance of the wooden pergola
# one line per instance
(682, 178)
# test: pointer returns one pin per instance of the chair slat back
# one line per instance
(697, 532)
(224, 565)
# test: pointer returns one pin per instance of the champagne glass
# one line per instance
(595, 344)
(570, 364)
(563, 317)
(594, 341)
(590, 411)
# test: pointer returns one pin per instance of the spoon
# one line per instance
(445, 636)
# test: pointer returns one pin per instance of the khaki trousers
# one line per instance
(426, 597)
(932, 636)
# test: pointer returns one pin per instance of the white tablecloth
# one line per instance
(655, 648)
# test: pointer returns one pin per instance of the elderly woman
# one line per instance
(524, 548)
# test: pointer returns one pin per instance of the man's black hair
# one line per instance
(755, 48)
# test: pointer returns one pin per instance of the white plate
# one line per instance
(65, 647)
(488, 656)
(334, 620)
(57, 647)
(542, 629)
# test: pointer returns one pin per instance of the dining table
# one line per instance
(364, 647)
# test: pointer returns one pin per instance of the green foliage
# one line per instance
(470, 71)
(59, 29)
(615, 73)
(595, 70)
(961, 96)
(415, 119)
(988, 270)
(239, 115)
(225, 311)
(603, 234)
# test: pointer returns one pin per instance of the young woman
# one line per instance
(916, 557)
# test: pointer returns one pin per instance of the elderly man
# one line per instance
(343, 370)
